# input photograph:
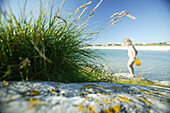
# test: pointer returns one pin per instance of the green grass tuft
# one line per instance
(49, 47)
(43, 48)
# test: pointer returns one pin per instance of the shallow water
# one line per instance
(155, 64)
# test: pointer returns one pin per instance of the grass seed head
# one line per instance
(114, 15)
(122, 12)
(77, 10)
(97, 5)
(81, 14)
(130, 16)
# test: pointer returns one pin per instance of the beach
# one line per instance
(154, 62)
(152, 48)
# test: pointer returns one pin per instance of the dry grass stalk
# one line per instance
(114, 19)
(119, 17)
(118, 21)
(83, 6)
(92, 12)
(81, 14)
(115, 22)
(97, 5)
(130, 16)
(91, 34)
(115, 14)
(122, 12)
(60, 8)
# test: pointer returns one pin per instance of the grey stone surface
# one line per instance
(165, 83)
(53, 97)
(124, 76)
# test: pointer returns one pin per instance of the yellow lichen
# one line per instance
(109, 92)
(154, 98)
(146, 101)
(35, 92)
(33, 101)
(149, 92)
(23, 94)
(80, 107)
(165, 101)
(5, 83)
(107, 102)
(132, 93)
(53, 90)
(83, 93)
(97, 91)
(103, 97)
(113, 100)
(156, 90)
(117, 88)
(116, 108)
(106, 87)
(88, 97)
(131, 100)
(150, 95)
(90, 109)
(98, 102)
(123, 99)
(87, 86)
(105, 94)
(142, 91)
(31, 107)
(107, 110)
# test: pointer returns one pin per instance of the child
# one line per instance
(132, 52)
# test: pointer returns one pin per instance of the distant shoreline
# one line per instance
(152, 48)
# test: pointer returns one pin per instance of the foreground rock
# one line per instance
(52, 97)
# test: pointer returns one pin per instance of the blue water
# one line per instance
(155, 65)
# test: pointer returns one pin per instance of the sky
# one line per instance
(152, 23)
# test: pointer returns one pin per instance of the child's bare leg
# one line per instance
(130, 66)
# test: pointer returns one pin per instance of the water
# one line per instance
(155, 65)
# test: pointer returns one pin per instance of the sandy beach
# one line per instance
(151, 48)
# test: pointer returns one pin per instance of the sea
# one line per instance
(155, 65)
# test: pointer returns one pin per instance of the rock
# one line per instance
(53, 97)
(164, 83)
(126, 76)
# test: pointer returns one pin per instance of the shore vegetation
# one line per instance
(48, 47)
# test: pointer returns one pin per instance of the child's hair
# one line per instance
(127, 41)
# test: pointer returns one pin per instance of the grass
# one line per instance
(139, 82)
(136, 82)
(44, 49)
(49, 47)
(103, 77)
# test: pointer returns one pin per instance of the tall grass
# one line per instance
(48, 47)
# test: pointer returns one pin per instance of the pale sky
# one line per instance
(152, 22)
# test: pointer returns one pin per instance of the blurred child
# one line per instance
(132, 52)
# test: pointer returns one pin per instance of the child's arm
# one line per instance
(134, 52)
